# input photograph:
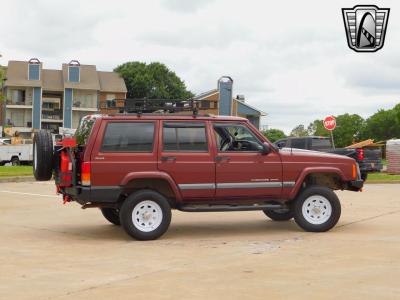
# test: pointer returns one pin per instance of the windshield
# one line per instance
(85, 129)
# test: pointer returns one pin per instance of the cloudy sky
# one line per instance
(289, 58)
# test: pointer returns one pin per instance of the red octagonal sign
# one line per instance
(330, 123)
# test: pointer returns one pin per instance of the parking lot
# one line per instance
(54, 251)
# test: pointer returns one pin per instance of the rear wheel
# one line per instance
(145, 215)
(15, 161)
(111, 215)
(317, 209)
(364, 176)
(281, 214)
(42, 155)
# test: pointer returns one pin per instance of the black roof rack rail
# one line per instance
(141, 106)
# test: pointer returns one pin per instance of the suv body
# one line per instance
(194, 163)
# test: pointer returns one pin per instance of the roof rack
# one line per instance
(141, 106)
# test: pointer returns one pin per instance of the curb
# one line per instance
(17, 179)
(383, 181)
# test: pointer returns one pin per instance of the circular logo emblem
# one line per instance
(330, 123)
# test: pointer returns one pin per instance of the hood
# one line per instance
(314, 155)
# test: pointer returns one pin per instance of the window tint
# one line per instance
(320, 144)
(298, 143)
(128, 137)
(185, 136)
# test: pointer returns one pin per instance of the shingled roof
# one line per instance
(57, 80)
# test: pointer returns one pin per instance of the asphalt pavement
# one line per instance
(53, 251)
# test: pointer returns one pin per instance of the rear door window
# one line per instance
(128, 137)
(320, 144)
(298, 143)
(184, 137)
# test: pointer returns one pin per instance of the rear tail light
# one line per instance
(65, 169)
(354, 172)
(360, 154)
(85, 173)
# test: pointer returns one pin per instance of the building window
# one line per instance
(185, 137)
(34, 71)
(73, 73)
(205, 104)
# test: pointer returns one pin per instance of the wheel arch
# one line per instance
(158, 181)
(324, 176)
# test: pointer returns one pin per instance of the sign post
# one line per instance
(330, 124)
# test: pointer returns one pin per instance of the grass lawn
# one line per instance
(13, 171)
(377, 177)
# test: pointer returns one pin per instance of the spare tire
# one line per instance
(43, 158)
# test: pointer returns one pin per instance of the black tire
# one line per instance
(323, 194)
(279, 214)
(43, 156)
(15, 161)
(364, 176)
(156, 203)
(111, 215)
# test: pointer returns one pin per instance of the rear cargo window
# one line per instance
(84, 130)
(185, 136)
(128, 137)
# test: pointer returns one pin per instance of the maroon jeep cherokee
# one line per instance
(136, 168)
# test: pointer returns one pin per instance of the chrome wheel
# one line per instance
(317, 209)
(147, 216)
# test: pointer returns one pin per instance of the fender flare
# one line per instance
(153, 175)
(293, 193)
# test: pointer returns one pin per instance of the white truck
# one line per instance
(15, 154)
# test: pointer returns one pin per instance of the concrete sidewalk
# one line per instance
(51, 251)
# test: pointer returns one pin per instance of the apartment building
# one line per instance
(39, 98)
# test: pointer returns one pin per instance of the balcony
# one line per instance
(84, 101)
(17, 99)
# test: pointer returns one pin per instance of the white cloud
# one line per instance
(289, 58)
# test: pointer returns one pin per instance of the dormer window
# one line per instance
(34, 69)
(74, 71)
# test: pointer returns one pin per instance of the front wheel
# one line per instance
(317, 209)
(145, 215)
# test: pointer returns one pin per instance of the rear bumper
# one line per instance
(94, 194)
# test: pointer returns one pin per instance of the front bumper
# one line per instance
(356, 185)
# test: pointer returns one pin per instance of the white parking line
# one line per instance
(29, 194)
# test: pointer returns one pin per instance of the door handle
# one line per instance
(167, 158)
(222, 158)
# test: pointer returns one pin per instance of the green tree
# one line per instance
(348, 129)
(299, 131)
(383, 125)
(274, 134)
(153, 81)
(317, 128)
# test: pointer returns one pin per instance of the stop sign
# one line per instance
(330, 123)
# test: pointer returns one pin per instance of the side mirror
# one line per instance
(265, 149)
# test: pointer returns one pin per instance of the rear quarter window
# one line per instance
(128, 137)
